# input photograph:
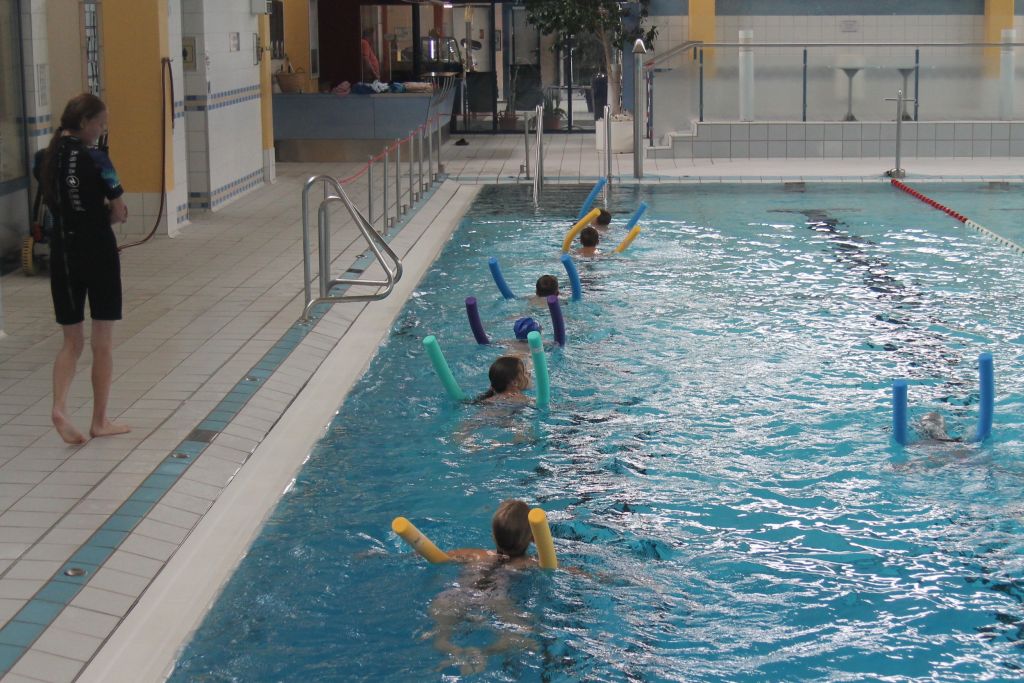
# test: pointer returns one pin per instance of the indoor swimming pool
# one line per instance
(717, 458)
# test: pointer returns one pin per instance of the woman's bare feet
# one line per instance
(67, 431)
(108, 428)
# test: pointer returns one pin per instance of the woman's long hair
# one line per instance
(78, 110)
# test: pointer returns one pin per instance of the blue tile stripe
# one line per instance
(14, 185)
(223, 99)
(182, 211)
(209, 200)
(18, 634)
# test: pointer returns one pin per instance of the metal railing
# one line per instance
(657, 64)
(375, 241)
(419, 182)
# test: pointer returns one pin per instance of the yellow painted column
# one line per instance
(998, 16)
(266, 92)
(135, 39)
(702, 23)
(296, 39)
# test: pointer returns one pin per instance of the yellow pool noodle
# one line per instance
(583, 222)
(420, 543)
(542, 539)
(624, 244)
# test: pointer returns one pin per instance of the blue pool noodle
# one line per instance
(987, 391)
(591, 197)
(474, 321)
(574, 277)
(557, 321)
(636, 216)
(899, 411)
(499, 279)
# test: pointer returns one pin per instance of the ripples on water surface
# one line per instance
(718, 457)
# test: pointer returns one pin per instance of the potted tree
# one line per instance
(507, 119)
(553, 112)
(604, 19)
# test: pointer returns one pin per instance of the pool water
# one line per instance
(717, 457)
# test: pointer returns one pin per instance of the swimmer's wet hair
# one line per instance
(603, 219)
(504, 372)
(511, 528)
(589, 237)
(547, 285)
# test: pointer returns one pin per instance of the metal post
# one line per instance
(430, 153)
(538, 113)
(805, 86)
(324, 245)
(899, 128)
(526, 144)
(369, 191)
(701, 93)
(898, 171)
(387, 208)
(419, 160)
(399, 209)
(440, 166)
(608, 142)
(917, 80)
(413, 193)
(1006, 73)
(650, 107)
(746, 75)
(638, 108)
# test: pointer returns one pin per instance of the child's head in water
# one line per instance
(511, 528)
(603, 220)
(547, 285)
(589, 237)
(508, 375)
(524, 326)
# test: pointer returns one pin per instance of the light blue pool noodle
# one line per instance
(574, 277)
(636, 216)
(441, 368)
(540, 368)
(987, 391)
(591, 197)
(899, 411)
(499, 279)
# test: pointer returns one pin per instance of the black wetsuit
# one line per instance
(84, 261)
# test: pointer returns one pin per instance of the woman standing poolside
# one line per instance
(84, 195)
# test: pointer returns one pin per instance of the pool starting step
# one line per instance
(959, 216)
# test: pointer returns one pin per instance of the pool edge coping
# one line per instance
(149, 640)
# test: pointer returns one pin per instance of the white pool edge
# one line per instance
(148, 641)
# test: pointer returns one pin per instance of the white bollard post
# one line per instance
(746, 59)
(1006, 69)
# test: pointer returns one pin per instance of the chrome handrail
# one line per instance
(669, 54)
(374, 240)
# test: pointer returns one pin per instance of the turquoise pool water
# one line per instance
(717, 457)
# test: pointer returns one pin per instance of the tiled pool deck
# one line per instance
(209, 360)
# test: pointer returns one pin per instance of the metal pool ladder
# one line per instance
(382, 252)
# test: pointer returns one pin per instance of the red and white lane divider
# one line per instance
(959, 216)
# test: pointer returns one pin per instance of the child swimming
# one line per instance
(545, 287)
(509, 377)
(481, 595)
(589, 239)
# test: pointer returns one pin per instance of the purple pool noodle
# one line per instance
(557, 321)
(474, 321)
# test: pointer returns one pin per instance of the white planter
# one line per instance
(622, 136)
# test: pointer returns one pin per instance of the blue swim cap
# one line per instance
(525, 326)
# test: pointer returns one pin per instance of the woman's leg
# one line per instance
(63, 373)
(102, 376)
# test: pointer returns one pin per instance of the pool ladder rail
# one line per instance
(382, 252)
